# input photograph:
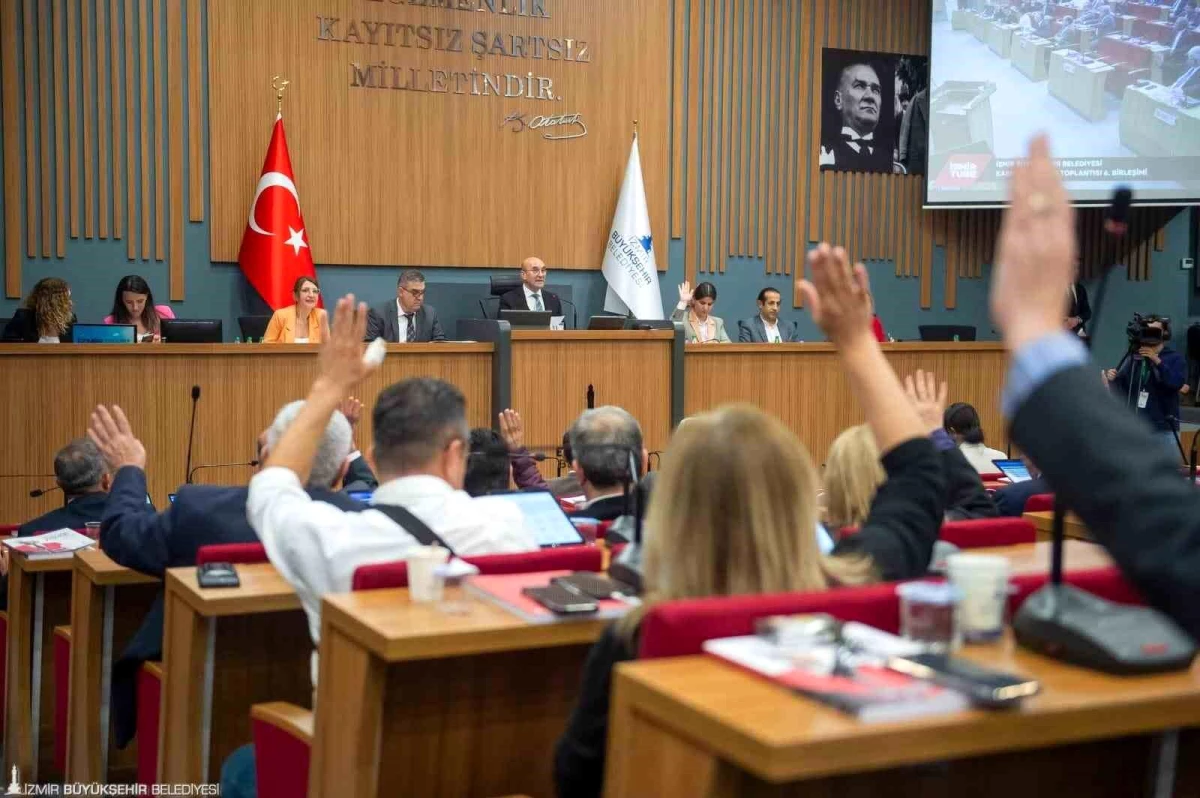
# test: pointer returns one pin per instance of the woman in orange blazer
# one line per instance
(303, 322)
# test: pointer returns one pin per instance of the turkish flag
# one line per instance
(275, 249)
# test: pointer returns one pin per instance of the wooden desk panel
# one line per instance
(1073, 527)
(108, 605)
(48, 392)
(224, 650)
(551, 372)
(39, 598)
(805, 386)
(731, 729)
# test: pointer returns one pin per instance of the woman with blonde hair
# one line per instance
(751, 530)
(852, 476)
(46, 315)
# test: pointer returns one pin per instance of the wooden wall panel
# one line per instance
(678, 66)
(45, 113)
(156, 108)
(73, 108)
(131, 171)
(175, 147)
(691, 179)
(102, 109)
(116, 115)
(145, 123)
(87, 60)
(10, 117)
(721, 228)
(60, 172)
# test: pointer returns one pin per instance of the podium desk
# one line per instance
(999, 38)
(223, 650)
(634, 369)
(695, 726)
(1079, 84)
(960, 19)
(980, 28)
(415, 700)
(109, 602)
(805, 385)
(1073, 527)
(1151, 124)
(1031, 56)
(39, 599)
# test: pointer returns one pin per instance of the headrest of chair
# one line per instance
(504, 283)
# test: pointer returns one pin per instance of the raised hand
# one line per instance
(341, 357)
(927, 398)
(512, 430)
(352, 409)
(113, 436)
(685, 292)
(839, 295)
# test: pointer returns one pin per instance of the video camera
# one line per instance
(1142, 334)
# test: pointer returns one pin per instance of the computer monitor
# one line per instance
(191, 331)
(946, 332)
(527, 319)
(1015, 470)
(103, 333)
(606, 323)
(544, 518)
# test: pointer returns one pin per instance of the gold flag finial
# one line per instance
(635, 128)
(279, 84)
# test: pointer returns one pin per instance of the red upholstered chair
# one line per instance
(62, 683)
(984, 532)
(283, 731)
(567, 558)
(1039, 503)
(8, 529)
(244, 553)
(679, 628)
(991, 476)
(149, 705)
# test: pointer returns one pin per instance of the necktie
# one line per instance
(775, 338)
(410, 327)
(537, 301)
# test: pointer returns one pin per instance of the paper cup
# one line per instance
(982, 583)
(425, 581)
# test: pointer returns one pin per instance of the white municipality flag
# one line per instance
(629, 265)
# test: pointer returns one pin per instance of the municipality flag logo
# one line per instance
(629, 265)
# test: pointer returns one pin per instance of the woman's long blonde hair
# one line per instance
(853, 474)
(734, 511)
(50, 300)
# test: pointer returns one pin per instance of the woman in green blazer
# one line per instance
(695, 311)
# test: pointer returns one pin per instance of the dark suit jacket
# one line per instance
(609, 509)
(359, 477)
(966, 497)
(1010, 500)
(1107, 467)
(753, 331)
(1080, 306)
(85, 509)
(22, 327)
(515, 300)
(846, 159)
(384, 322)
(201, 515)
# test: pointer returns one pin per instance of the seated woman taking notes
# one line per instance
(695, 311)
(303, 322)
(133, 303)
(751, 531)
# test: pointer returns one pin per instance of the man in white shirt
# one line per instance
(420, 454)
(766, 327)
(532, 294)
(603, 441)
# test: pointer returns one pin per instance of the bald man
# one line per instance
(532, 294)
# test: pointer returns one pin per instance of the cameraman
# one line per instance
(1150, 379)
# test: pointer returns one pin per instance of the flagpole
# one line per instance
(279, 84)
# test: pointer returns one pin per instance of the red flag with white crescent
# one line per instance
(275, 248)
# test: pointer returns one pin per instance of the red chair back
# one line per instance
(1039, 503)
(991, 476)
(983, 532)
(282, 762)
(62, 686)
(243, 553)
(8, 529)
(149, 709)
(679, 628)
(567, 558)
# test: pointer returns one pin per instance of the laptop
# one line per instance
(104, 333)
(527, 319)
(1015, 470)
(363, 496)
(544, 518)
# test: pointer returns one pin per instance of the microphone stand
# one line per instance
(192, 473)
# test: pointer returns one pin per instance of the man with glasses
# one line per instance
(532, 294)
(408, 319)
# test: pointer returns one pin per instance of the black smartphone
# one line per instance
(983, 686)
(562, 600)
(594, 585)
(217, 574)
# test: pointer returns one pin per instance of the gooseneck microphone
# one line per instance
(248, 463)
(33, 494)
(187, 467)
(574, 312)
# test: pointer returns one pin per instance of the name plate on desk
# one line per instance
(1166, 117)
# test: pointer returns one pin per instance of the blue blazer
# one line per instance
(202, 515)
(1010, 500)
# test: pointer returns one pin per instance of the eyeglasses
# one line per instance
(534, 271)
(415, 294)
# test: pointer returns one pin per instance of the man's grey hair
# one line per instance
(79, 466)
(602, 441)
(1194, 53)
(410, 276)
(335, 446)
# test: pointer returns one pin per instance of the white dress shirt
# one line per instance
(401, 324)
(981, 457)
(317, 546)
(772, 331)
(531, 298)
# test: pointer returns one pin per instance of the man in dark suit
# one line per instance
(531, 296)
(1010, 500)
(201, 515)
(858, 99)
(603, 441)
(84, 478)
(766, 328)
(407, 319)
(1103, 462)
